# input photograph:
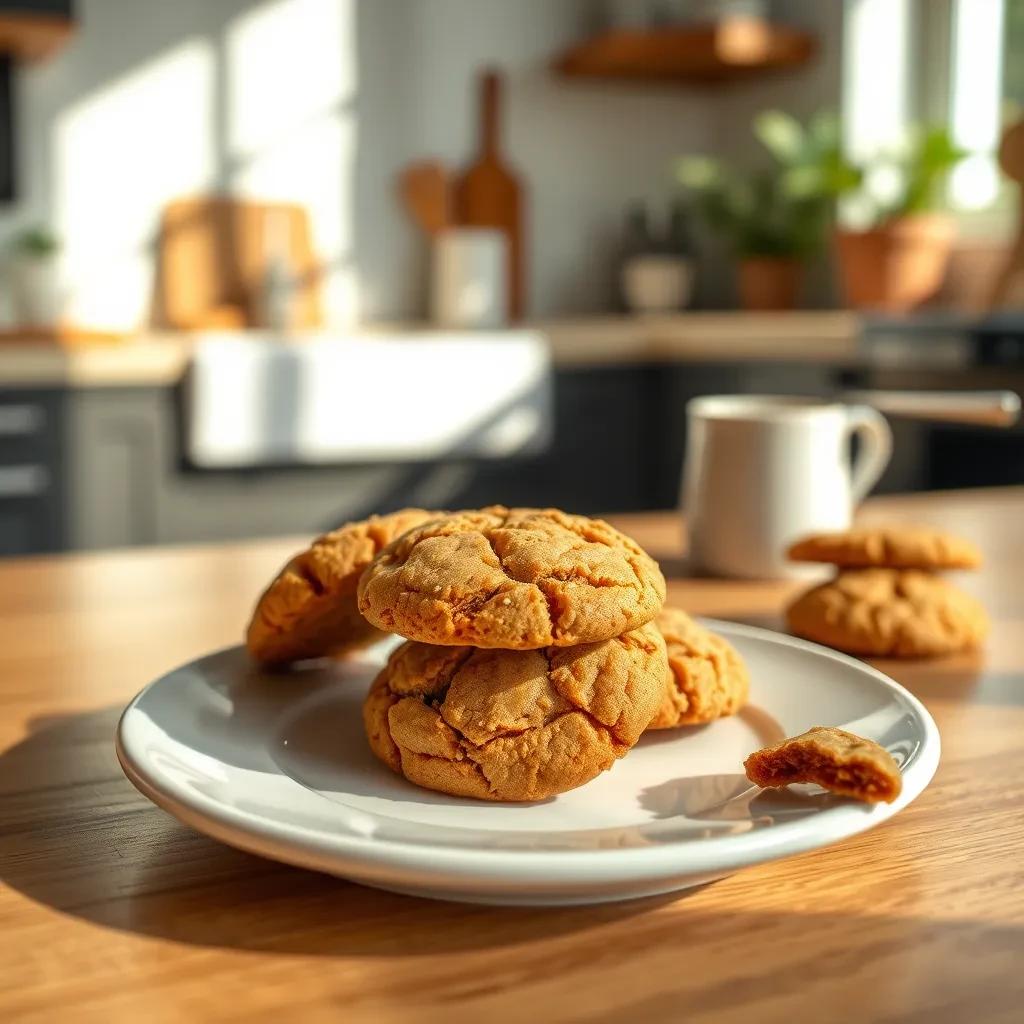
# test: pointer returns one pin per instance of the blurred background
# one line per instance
(268, 265)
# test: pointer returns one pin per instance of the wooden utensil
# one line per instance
(979, 408)
(426, 193)
(1011, 160)
(488, 194)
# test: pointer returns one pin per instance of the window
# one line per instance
(975, 99)
(956, 61)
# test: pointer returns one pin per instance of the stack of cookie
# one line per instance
(537, 652)
(887, 599)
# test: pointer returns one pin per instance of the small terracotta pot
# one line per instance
(898, 266)
(769, 282)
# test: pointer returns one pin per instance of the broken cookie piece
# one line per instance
(839, 761)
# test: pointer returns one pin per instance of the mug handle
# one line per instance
(876, 448)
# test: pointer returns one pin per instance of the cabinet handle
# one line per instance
(23, 481)
(19, 420)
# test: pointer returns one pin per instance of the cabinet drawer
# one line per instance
(24, 481)
(28, 429)
(22, 419)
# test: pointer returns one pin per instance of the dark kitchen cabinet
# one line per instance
(88, 468)
(32, 505)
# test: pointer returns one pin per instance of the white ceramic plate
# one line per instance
(278, 765)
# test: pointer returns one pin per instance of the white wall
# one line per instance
(323, 101)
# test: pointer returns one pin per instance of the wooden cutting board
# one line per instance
(489, 194)
(212, 261)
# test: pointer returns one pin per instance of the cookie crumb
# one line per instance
(839, 761)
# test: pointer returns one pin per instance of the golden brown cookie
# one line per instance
(838, 760)
(707, 678)
(893, 547)
(516, 579)
(513, 725)
(898, 612)
(309, 610)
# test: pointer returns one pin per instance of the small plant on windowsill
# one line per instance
(895, 241)
(776, 217)
(36, 243)
(34, 277)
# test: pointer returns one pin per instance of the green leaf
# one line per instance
(699, 172)
(824, 132)
(781, 134)
(36, 242)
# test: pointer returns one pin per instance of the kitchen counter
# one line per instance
(156, 360)
(828, 337)
(112, 908)
(148, 361)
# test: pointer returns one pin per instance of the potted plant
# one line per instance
(36, 286)
(774, 217)
(894, 248)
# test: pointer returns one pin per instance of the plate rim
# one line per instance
(341, 853)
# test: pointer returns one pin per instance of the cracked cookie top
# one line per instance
(897, 612)
(514, 725)
(516, 579)
(309, 610)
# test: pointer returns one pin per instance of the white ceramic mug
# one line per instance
(762, 470)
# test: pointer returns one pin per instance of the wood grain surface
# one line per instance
(110, 910)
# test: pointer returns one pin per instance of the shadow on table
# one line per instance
(77, 837)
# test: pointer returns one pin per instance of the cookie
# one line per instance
(513, 725)
(898, 612)
(840, 761)
(707, 678)
(894, 547)
(516, 579)
(309, 610)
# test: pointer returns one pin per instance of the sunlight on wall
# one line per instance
(292, 75)
(288, 62)
(876, 75)
(119, 155)
(975, 97)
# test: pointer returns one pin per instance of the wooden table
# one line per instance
(110, 910)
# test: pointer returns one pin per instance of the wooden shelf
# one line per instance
(732, 49)
(33, 36)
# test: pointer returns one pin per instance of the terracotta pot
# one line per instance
(898, 266)
(769, 282)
